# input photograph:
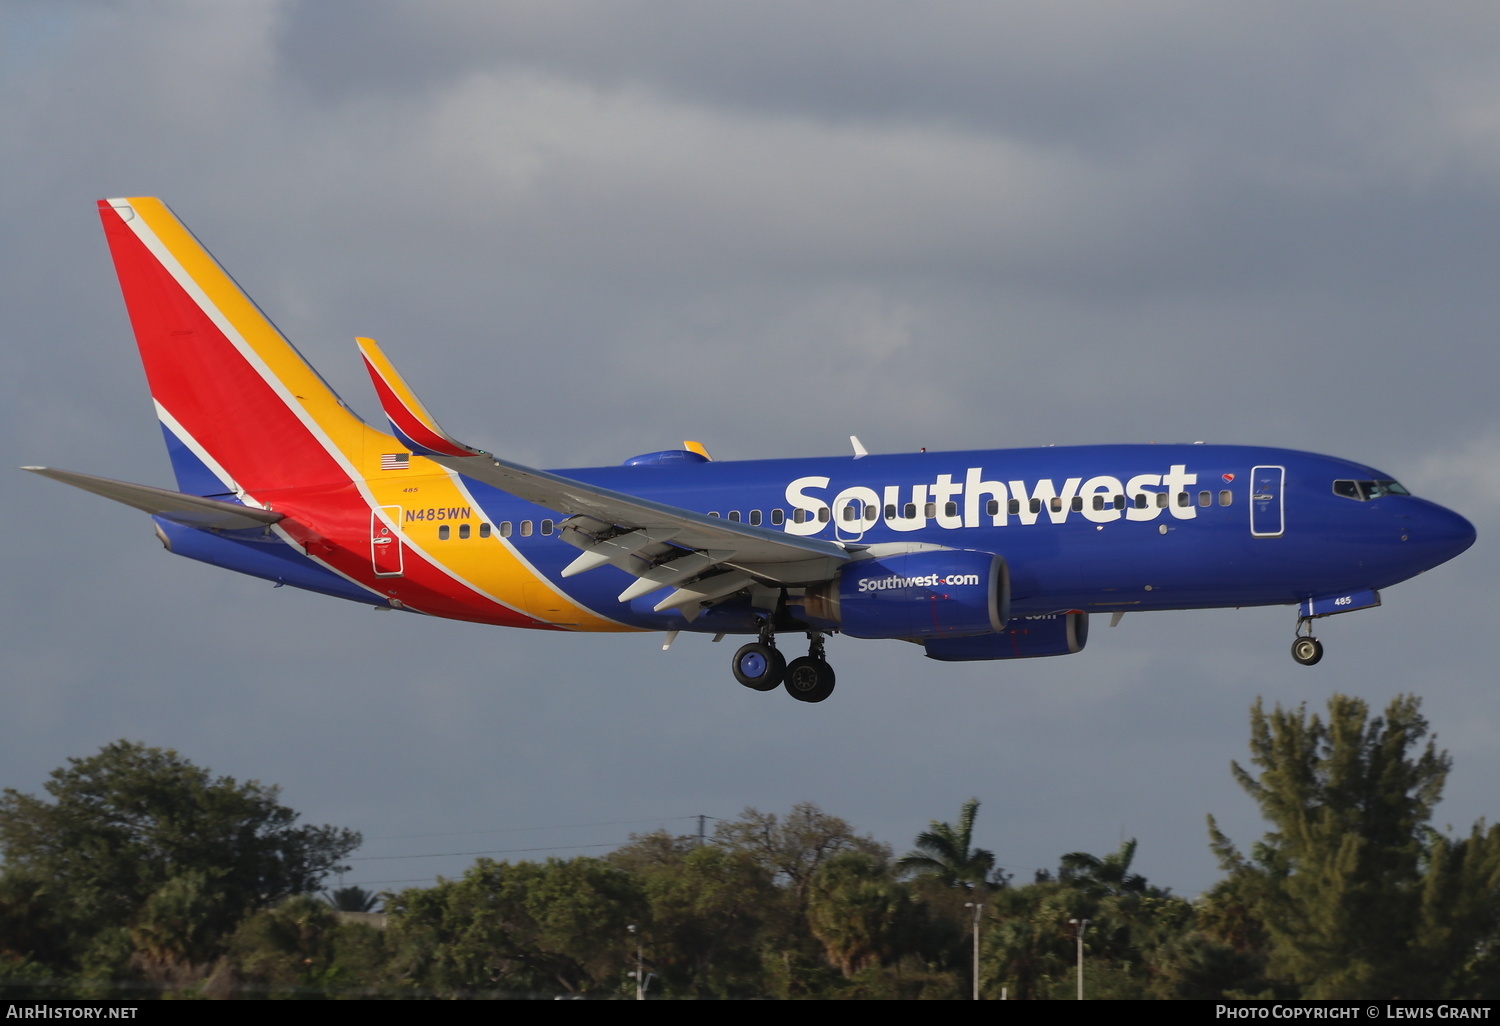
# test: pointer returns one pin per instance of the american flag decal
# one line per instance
(395, 460)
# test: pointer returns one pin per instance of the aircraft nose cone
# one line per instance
(1440, 533)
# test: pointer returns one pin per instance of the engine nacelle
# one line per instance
(1025, 637)
(933, 594)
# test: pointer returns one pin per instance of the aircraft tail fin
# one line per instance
(242, 411)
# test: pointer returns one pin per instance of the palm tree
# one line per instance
(1109, 875)
(944, 852)
(352, 899)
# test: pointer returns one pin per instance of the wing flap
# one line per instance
(618, 550)
(709, 589)
(665, 575)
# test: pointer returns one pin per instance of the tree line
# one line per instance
(141, 874)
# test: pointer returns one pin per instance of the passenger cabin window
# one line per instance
(1205, 498)
(778, 517)
(443, 533)
(546, 527)
(755, 518)
(1013, 507)
(484, 530)
(734, 516)
(463, 530)
(929, 510)
(992, 508)
(505, 528)
(713, 512)
(1036, 505)
(950, 509)
(1161, 500)
(1184, 499)
(526, 529)
(824, 515)
(909, 511)
(1226, 497)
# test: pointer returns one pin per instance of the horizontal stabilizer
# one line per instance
(188, 510)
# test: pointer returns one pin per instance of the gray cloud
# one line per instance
(587, 230)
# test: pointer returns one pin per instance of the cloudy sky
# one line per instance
(591, 230)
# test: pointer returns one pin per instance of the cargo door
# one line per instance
(385, 544)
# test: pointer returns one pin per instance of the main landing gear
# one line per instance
(760, 667)
(1306, 649)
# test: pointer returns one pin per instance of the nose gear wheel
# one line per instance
(1306, 649)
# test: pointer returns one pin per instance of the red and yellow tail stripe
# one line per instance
(236, 391)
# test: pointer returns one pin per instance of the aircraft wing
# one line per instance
(190, 510)
(703, 558)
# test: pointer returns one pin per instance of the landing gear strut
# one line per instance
(760, 667)
(1306, 649)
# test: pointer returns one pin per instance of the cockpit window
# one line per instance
(1364, 491)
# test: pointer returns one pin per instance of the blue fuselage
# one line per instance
(1210, 542)
(1092, 528)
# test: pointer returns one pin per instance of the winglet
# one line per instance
(699, 448)
(409, 418)
(860, 452)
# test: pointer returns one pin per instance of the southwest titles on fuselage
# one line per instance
(953, 504)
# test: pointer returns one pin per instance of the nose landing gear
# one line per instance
(1306, 649)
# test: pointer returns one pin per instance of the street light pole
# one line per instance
(640, 966)
(977, 907)
(1083, 925)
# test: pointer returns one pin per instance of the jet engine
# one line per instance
(928, 594)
